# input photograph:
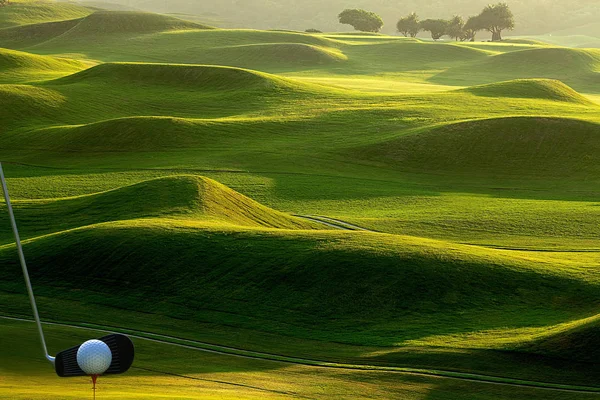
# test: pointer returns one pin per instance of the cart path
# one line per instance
(234, 352)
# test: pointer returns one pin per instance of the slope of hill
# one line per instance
(193, 45)
(518, 146)
(103, 165)
(24, 12)
(272, 55)
(209, 78)
(578, 340)
(355, 288)
(122, 22)
(407, 55)
(23, 36)
(576, 67)
(545, 89)
(99, 24)
(16, 66)
(27, 103)
(194, 198)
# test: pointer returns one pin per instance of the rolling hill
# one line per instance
(119, 22)
(475, 163)
(545, 89)
(576, 67)
(365, 289)
(194, 198)
(25, 12)
(17, 67)
(518, 146)
(578, 340)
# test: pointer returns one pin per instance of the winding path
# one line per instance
(334, 223)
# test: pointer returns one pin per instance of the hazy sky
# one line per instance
(532, 16)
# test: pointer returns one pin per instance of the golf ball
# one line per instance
(94, 357)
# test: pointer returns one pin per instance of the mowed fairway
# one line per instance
(168, 179)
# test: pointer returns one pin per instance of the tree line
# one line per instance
(494, 18)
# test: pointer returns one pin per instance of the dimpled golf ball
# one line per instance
(94, 357)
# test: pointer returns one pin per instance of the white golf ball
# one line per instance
(94, 357)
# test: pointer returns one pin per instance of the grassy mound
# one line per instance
(124, 22)
(273, 55)
(546, 89)
(547, 61)
(578, 341)
(185, 197)
(519, 146)
(16, 66)
(211, 78)
(24, 102)
(356, 288)
(403, 55)
(22, 36)
(24, 12)
(136, 134)
(577, 67)
(525, 41)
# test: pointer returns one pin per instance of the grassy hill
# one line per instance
(578, 340)
(546, 89)
(118, 22)
(541, 147)
(309, 287)
(16, 66)
(476, 163)
(188, 197)
(22, 36)
(25, 12)
(576, 67)
(289, 273)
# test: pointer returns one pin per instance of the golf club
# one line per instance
(112, 354)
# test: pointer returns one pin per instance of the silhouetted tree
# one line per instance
(495, 18)
(409, 25)
(313, 30)
(471, 28)
(455, 28)
(361, 20)
(437, 27)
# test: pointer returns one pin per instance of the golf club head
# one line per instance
(120, 346)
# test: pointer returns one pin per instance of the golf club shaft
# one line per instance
(23, 264)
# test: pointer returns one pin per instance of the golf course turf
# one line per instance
(168, 178)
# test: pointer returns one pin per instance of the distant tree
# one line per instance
(312, 30)
(495, 18)
(456, 27)
(437, 27)
(409, 25)
(473, 25)
(361, 20)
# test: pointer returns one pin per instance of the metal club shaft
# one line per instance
(24, 264)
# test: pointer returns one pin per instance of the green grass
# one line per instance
(166, 178)
(188, 197)
(24, 12)
(530, 88)
(22, 36)
(211, 376)
(576, 67)
(115, 22)
(18, 67)
(515, 146)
